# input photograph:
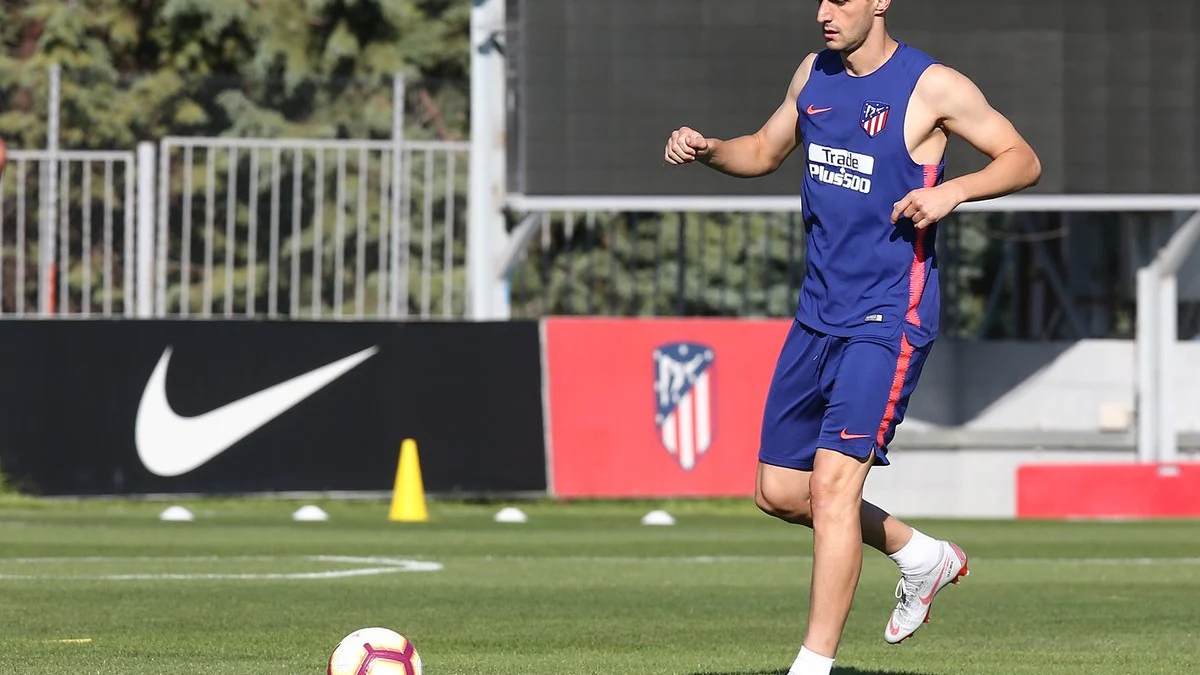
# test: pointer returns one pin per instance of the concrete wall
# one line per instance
(965, 483)
(1033, 386)
(983, 409)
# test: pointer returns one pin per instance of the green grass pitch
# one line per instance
(103, 587)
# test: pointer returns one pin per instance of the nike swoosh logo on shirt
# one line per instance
(171, 445)
(816, 111)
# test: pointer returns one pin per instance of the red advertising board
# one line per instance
(1117, 490)
(657, 407)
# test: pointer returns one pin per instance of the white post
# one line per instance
(1146, 365)
(145, 229)
(1170, 258)
(1167, 328)
(395, 300)
(48, 274)
(497, 67)
(163, 237)
(487, 293)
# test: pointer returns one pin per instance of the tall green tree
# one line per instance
(135, 70)
(144, 69)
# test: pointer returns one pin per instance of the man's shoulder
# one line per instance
(914, 62)
(939, 80)
(804, 72)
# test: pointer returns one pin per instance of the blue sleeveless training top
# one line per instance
(864, 275)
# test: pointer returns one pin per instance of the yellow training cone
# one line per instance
(408, 495)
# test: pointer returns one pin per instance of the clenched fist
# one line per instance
(927, 206)
(686, 145)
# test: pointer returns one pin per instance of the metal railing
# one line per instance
(67, 228)
(309, 229)
(659, 264)
(363, 230)
(1002, 275)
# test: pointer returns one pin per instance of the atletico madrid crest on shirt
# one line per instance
(683, 393)
(875, 117)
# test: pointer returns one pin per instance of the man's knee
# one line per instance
(836, 486)
(792, 508)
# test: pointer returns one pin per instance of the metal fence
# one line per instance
(376, 230)
(204, 227)
(66, 227)
(310, 229)
(1036, 275)
(660, 264)
(226, 219)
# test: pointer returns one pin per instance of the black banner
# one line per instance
(1107, 91)
(136, 407)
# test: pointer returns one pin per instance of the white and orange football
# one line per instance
(374, 651)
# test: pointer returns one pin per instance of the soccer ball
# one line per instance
(374, 651)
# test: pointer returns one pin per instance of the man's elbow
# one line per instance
(768, 166)
(1034, 169)
(767, 159)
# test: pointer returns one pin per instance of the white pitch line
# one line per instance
(384, 565)
(702, 559)
(406, 564)
(1132, 562)
(147, 558)
(213, 558)
(332, 574)
(390, 566)
(647, 559)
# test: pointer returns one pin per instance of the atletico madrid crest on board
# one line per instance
(683, 393)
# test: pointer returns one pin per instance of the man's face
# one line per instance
(846, 23)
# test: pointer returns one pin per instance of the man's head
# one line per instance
(846, 24)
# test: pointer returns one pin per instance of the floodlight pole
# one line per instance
(487, 290)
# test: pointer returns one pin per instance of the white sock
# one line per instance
(811, 663)
(921, 554)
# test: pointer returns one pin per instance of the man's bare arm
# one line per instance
(966, 113)
(752, 155)
(963, 110)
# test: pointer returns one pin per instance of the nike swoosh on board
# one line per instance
(170, 445)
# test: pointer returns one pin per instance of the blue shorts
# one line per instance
(837, 393)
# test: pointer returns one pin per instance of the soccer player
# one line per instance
(873, 116)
